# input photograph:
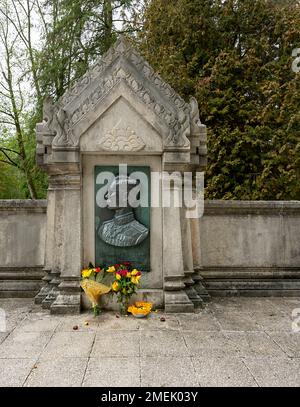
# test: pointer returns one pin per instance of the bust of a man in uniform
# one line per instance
(123, 229)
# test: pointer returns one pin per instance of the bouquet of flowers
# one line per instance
(126, 280)
(92, 286)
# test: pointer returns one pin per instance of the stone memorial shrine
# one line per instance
(106, 136)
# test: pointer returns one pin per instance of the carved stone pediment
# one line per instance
(123, 72)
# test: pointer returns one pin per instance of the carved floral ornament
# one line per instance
(121, 139)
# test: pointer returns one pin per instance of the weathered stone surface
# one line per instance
(20, 345)
(183, 352)
(209, 343)
(288, 342)
(167, 371)
(159, 322)
(251, 248)
(201, 321)
(274, 372)
(236, 321)
(112, 372)
(223, 372)
(126, 341)
(58, 372)
(163, 343)
(85, 323)
(273, 321)
(257, 344)
(22, 233)
(15, 371)
(38, 323)
(69, 344)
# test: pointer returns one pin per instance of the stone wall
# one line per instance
(251, 247)
(248, 248)
(22, 244)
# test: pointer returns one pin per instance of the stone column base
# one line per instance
(69, 297)
(175, 297)
(53, 292)
(200, 287)
(191, 291)
(44, 291)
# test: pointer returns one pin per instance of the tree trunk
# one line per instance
(108, 23)
(15, 114)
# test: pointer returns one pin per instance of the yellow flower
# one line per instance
(144, 305)
(86, 273)
(135, 279)
(116, 286)
(140, 308)
(118, 276)
(111, 269)
(128, 275)
(134, 272)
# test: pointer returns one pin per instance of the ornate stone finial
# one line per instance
(48, 110)
(122, 44)
(195, 119)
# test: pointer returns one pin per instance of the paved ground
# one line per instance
(233, 342)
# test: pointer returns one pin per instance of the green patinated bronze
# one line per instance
(122, 232)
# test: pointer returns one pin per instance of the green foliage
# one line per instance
(73, 34)
(80, 31)
(235, 57)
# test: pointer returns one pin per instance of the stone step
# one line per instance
(18, 294)
(21, 273)
(23, 282)
(253, 288)
(20, 276)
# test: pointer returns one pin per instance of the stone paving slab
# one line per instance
(237, 321)
(273, 372)
(168, 371)
(15, 371)
(232, 342)
(257, 344)
(159, 322)
(245, 304)
(288, 342)
(273, 321)
(82, 323)
(125, 343)
(69, 344)
(223, 372)
(202, 321)
(58, 372)
(113, 372)
(19, 345)
(38, 323)
(163, 343)
(213, 343)
(286, 304)
(3, 335)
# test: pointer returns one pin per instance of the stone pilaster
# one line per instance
(53, 289)
(188, 261)
(49, 246)
(68, 298)
(175, 296)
